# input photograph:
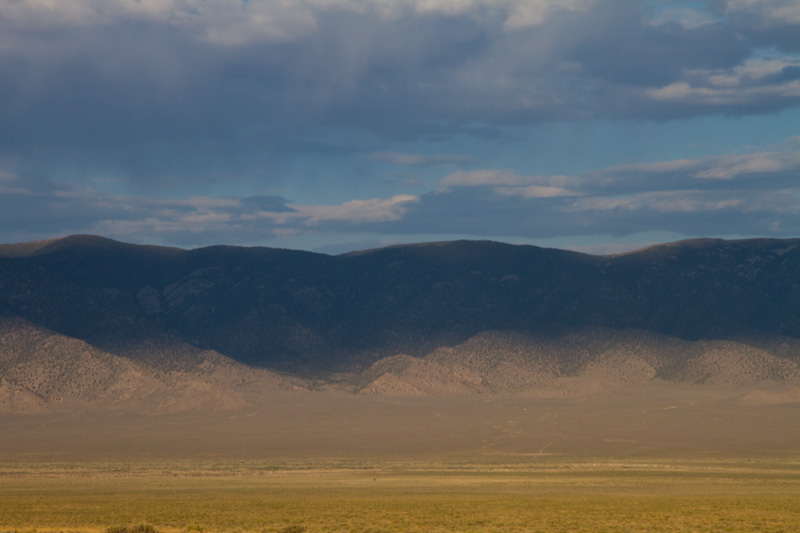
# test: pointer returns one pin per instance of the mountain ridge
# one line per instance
(310, 314)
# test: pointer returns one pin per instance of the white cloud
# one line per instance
(448, 7)
(632, 186)
(509, 183)
(226, 218)
(519, 13)
(524, 14)
(736, 193)
(685, 93)
(229, 22)
(372, 210)
(498, 177)
(752, 70)
(535, 191)
(687, 17)
(204, 218)
(750, 82)
(91, 12)
(474, 178)
(780, 11)
(733, 166)
(724, 167)
(662, 202)
(236, 22)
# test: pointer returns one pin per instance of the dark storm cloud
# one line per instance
(765, 23)
(140, 92)
(177, 98)
(614, 45)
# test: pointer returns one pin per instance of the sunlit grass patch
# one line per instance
(496, 495)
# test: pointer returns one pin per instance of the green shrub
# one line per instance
(141, 528)
(194, 527)
(293, 529)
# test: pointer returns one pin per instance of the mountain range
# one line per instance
(86, 319)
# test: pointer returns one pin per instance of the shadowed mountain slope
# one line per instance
(580, 363)
(306, 312)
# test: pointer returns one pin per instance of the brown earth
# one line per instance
(654, 419)
(587, 363)
(43, 371)
(590, 392)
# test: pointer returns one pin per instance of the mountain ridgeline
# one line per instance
(308, 313)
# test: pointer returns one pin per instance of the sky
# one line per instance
(334, 125)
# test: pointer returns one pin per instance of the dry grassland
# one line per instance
(532, 494)
(659, 458)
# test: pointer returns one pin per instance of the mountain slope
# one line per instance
(41, 370)
(579, 363)
(307, 313)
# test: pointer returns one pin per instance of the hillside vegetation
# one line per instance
(89, 319)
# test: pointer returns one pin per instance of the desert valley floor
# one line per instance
(655, 418)
(443, 387)
(658, 457)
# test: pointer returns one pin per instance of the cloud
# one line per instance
(687, 17)
(777, 166)
(187, 221)
(731, 194)
(192, 106)
(754, 83)
(373, 210)
(50, 208)
(9, 184)
(732, 167)
(662, 202)
(533, 13)
(472, 178)
(416, 160)
(233, 80)
(509, 183)
(227, 22)
(535, 191)
(476, 212)
(272, 19)
(770, 11)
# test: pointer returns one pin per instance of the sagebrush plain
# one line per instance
(721, 494)
(657, 458)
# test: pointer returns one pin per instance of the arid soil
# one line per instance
(657, 418)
